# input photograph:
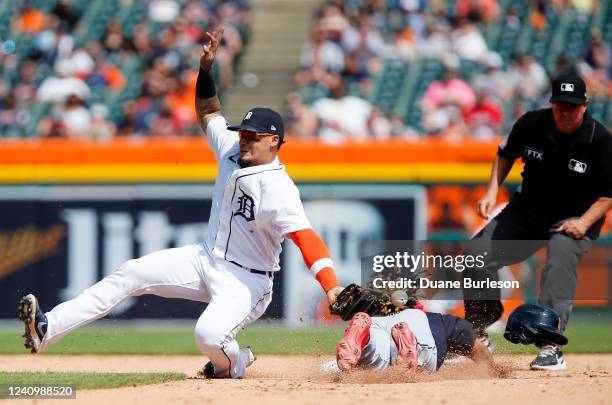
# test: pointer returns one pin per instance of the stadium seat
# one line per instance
(409, 88)
(397, 88)
(469, 68)
(597, 108)
(38, 111)
(92, 25)
(389, 84)
(8, 9)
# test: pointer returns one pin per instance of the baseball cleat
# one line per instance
(34, 320)
(209, 370)
(549, 358)
(354, 340)
(247, 350)
(407, 348)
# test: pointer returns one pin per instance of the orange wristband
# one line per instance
(327, 278)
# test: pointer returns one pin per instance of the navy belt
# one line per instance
(263, 273)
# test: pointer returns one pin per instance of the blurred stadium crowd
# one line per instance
(371, 69)
(409, 68)
(100, 68)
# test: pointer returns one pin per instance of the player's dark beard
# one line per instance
(244, 163)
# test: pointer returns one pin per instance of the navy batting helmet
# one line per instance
(534, 323)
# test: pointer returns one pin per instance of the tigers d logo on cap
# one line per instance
(260, 119)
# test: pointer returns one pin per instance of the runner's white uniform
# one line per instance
(381, 352)
(252, 209)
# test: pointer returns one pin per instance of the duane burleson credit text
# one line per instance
(404, 283)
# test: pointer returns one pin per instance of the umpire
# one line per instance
(562, 203)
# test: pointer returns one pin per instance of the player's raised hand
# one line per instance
(210, 50)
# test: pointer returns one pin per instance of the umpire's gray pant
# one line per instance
(513, 237)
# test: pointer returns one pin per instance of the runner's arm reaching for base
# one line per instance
(462, 340)
(484, 358)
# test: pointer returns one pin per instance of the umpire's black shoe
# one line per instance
(34, 320)
(550, 358)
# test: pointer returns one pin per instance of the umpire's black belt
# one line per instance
(263, 273)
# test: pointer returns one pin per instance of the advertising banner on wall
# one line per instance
(56, 241)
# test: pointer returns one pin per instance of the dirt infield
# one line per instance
(297, 379)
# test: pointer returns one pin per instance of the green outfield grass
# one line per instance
(83, 381)
(127, 340)
(584, 337)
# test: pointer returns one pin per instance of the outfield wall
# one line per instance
(74, 211)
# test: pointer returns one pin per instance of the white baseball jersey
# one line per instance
(252, 208)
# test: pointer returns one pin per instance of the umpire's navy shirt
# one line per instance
(564, 174)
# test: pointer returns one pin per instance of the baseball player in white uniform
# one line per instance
(255, 206)
(413, 339)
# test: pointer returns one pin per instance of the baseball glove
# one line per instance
(355, 299)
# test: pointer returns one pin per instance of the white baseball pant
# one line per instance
(380, 352)
(235, 298)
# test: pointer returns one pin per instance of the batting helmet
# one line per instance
(534, 323)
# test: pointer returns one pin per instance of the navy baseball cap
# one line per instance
(568, 89)
(260, 119)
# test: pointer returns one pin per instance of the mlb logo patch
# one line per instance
(577, 166)
(567, 87)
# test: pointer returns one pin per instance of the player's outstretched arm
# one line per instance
(317, 258)
(207, 103)
(482, 356)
